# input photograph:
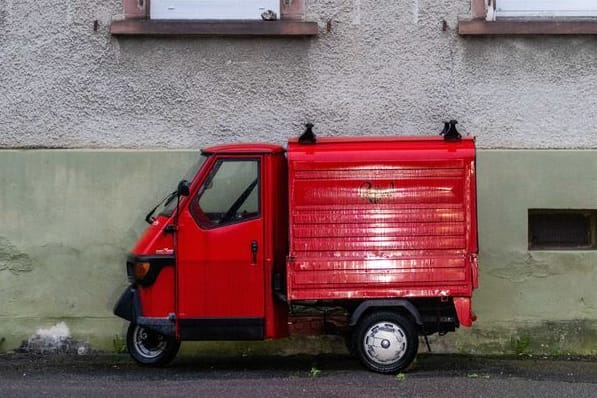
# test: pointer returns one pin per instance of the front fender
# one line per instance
(129, 305)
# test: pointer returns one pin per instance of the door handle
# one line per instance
(254, 247)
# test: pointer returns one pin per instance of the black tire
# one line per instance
(150, 348)
(386, 342)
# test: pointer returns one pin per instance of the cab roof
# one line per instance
(253, 148)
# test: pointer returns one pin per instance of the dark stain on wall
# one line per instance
(12, 259)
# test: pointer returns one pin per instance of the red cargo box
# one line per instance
(382, 217)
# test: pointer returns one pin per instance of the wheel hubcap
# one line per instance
(385, 343)
(148, 343)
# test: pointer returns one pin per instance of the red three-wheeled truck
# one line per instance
(376, 237)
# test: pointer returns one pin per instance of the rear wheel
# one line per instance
(149, 347)
(386, 342)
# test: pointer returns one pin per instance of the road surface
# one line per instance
(106, 375)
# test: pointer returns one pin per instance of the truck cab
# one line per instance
(376, 234)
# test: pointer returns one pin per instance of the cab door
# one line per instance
(220, 260)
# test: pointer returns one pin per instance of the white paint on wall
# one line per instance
(69, 13)
(50, 339)
(55, 333)
(8, 6)
(54, 339)
(356, 12)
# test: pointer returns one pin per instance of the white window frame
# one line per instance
(544, 9)
(212, 9)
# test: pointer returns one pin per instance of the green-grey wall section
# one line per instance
(535, 301)
(68, 220)
(70, 216)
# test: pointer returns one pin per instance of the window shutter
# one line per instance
(212, 9)
(545, 8)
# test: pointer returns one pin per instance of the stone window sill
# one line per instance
(203, 28)
(481, 27)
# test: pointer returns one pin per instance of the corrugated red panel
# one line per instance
(381, 218)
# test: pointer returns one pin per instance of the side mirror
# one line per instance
(183, 188)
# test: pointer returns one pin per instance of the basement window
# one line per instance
(562, 229)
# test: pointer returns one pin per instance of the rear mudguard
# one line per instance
(404, 304)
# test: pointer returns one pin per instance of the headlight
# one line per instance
(140, 270)
(144, 270)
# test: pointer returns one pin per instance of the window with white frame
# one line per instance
(530, 17)
(214, 18)
(215, 9)
(542, 9)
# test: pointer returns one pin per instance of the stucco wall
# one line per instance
(383, 68)
(69, 218)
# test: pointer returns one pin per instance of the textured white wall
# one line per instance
(386, 67)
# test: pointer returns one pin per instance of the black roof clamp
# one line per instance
(308, 137)
(449, 132)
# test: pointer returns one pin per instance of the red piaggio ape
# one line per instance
(371, 238)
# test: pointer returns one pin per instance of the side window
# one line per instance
(230, 194)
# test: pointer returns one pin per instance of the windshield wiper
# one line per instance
(149, 217)
(239, 202)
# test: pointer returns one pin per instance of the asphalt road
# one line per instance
(23, 375)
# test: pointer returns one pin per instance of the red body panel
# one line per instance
(217, 280)
(157, 299)
(382, 218)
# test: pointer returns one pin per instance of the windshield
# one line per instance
(170, 204)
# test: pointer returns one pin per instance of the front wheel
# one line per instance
(150, 348)
(386, 342)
